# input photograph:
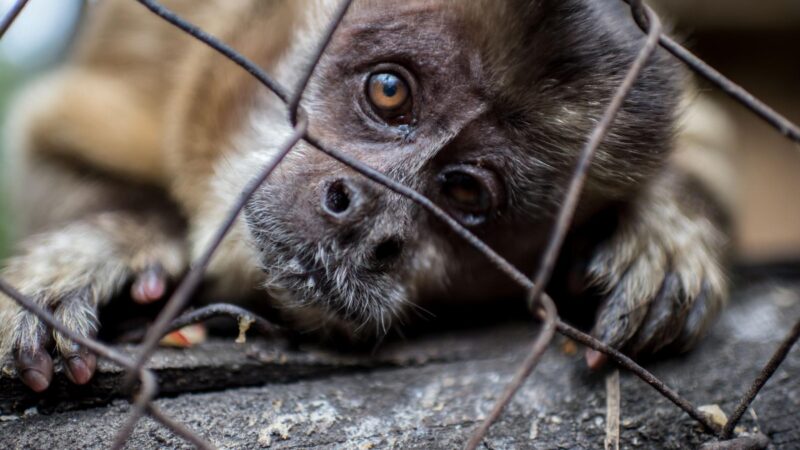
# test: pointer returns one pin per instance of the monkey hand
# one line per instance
(660, 275)
(71, 272)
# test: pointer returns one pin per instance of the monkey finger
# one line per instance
(699, 318)
(34, 364)
(664, 319)
(80, 364)
(150, 285)
(78, 313)
(595, 360)
(35, 367)
(620, 315)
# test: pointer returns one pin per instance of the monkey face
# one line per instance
(481, 106)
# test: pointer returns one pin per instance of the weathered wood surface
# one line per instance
(429, 393)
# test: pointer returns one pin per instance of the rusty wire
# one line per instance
(147, 393)
(539, 302)
(11, 16)
(205, 313)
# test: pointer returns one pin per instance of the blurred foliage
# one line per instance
(8, 79)
(37, 40)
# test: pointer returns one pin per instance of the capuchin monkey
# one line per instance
(125, 160)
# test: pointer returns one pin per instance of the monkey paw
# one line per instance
(71, 283)
(661, 282)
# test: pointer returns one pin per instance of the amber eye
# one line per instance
(390, 97)
(474, 193)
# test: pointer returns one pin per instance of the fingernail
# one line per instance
(154, 286)
(149, 287)
(79, 370)
(594, 359)
(35, 380)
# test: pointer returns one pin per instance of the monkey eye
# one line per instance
(473, 192)
(390, 97)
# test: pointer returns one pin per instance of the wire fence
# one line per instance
(539, 303)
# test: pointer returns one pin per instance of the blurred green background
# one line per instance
(36, 40)
(9, 77)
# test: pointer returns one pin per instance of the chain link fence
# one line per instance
(540, 304)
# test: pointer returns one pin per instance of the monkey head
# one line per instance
(483, 107)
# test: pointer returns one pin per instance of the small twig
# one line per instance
(561, 227)
(628, 364)
(612, 411)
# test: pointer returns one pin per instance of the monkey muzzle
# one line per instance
(342, 246)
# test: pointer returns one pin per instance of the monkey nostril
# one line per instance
(337, 198)
(388, 250)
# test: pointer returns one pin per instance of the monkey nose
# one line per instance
(341, 199)
(347, 203)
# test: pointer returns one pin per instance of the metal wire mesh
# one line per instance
(540, 304)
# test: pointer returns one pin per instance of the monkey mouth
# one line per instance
(329, 282)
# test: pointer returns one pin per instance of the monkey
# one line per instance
(125, 159)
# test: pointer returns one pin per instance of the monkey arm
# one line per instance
(105, 252)
(661, 272)
(84, 232)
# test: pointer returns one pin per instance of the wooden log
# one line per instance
(430, 393)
